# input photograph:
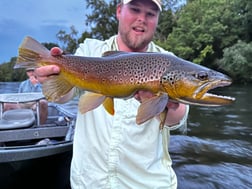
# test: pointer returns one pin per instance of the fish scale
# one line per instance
(120, 74)
(100, 70)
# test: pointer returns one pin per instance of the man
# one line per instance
(30, 85)
(112, 151)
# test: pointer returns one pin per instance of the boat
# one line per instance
(31, 151)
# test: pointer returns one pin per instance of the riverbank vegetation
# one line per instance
(213, 33)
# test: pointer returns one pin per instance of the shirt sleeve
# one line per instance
(182, 125)
(21, 87)
(92, 47)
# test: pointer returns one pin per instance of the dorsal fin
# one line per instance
(113, 53)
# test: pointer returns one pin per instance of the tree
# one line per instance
(103, 23)
(50, 45)
(84, 36)
(204, 28)
(165, 26)
(102, 20)
(237, 61)
(69, 40)
(7, 73)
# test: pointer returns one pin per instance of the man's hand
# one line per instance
(44, 72)
(56, 51)
(33, 80)
(143, 95)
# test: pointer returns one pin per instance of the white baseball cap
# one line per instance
(157, 2)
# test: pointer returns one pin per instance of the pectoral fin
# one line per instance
(109, 105)
(55, 87)
(90, 101)
(151, 107)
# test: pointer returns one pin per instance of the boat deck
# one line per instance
(35, 140)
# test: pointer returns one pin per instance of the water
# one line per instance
(9, 87)
(216, 153)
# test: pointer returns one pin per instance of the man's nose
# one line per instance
(141, 17)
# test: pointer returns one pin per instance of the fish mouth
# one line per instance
(202, 96)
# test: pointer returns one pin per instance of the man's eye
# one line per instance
(151, 14)
(135, 9)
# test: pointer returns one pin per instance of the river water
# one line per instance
(216, 152)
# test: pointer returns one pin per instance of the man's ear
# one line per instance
(118, 10)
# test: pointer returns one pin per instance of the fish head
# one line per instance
(190, 83)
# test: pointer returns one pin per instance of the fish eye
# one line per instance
(202, 75)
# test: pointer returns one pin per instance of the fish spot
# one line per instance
(125, 73)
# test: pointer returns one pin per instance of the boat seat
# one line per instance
(17, 118)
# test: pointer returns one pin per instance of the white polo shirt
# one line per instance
(113, 151)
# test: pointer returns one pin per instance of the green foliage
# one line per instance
(237, 61)
(204, 28)
(102, 20)
(203, 31)
(84, 36)
(7, 73)
(69, 40)
(50, 45)
(165, 26)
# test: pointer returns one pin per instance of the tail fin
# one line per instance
(30, 53)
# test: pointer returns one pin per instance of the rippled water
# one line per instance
(216, 153)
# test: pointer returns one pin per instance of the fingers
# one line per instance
(42, 73)
(143, 95)
(33, 79)
(172, 105)
(56, 51)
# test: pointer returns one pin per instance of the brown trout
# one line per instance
(121, 74)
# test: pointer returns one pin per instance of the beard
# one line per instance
(135, 42)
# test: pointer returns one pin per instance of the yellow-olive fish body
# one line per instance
(120, 74)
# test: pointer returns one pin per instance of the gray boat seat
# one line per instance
(17, 118)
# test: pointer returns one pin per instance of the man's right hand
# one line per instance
(42, 73)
